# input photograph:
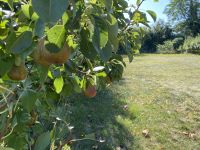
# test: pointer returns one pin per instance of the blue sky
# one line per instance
(158, 7)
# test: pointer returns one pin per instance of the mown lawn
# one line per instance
(159, 95)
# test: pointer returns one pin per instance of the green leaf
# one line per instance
(39, 28)
(16, 141)
(103, 38)
(28, 51)
(138, 2)
(100, 36)
(42, 141)
(152, 14)
(75, 80)
(28, 12)
(11, 38)
(139, 17)
(65, 18)
(5, 65)
(50, 10)
(67, 89)
(113, 32)
(23, 42)
(101, 74)
(113, 25)
(58, 84)
(28, 99)
(86, 47)
(56, 38)
(108, 4)
(42, 72)
(93, 1)
(66, 147)
(106, 52)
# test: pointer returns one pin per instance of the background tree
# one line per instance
(155, 35)
(186, 13)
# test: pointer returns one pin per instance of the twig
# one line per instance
(3, 88)
(125, 28)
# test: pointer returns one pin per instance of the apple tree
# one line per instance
(57, 48)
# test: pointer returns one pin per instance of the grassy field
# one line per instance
(156, 106)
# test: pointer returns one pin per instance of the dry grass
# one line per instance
(167, 88)
(159, 94)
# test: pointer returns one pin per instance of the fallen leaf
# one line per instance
(145, 133)
(192, 135)
(125, 107)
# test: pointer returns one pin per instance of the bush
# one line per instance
(178, 42)
(166, 48)
(191, 45)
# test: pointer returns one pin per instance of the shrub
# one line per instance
(166, 48)
(192, 45)
(178, 42)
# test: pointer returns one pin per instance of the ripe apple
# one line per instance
(18, 72)
(90, 91)
(42, 56)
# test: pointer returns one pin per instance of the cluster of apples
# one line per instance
(43, 57)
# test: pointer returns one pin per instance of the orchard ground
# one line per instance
(154, 106)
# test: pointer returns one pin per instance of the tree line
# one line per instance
(183, 25)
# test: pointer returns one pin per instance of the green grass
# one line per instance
(160, 93)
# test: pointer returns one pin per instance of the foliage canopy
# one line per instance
(187, 13)
(50, 50)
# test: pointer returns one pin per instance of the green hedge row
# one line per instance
(191, 45)
(179, 45)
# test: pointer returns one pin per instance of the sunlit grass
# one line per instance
(159, 93)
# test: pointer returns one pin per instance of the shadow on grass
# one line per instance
(100, 119)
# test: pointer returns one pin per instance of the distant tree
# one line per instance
(159, 33)
(187, 15)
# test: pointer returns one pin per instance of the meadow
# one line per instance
(154, 107)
